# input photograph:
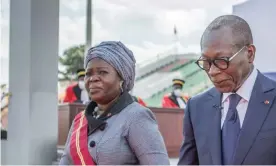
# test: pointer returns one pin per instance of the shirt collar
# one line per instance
(246, 89)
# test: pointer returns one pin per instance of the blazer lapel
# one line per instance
(259, 105)
(77, 92)
(214, 136)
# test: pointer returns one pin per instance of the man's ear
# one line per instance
(251, 53)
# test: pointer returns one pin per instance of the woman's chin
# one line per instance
(95, 96)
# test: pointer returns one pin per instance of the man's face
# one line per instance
(219, 44)
(81, 78)
(176, 86)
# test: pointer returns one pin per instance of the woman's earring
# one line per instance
(121, 86)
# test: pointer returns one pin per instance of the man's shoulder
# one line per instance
(267, 79)
(203, 95)
(266, 83)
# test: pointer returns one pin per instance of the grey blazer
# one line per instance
(130, 137)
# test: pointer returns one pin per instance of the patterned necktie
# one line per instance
(230, 130)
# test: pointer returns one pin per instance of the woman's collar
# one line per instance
(123, 101)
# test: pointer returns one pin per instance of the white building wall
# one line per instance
(33, 71)
(261, 16)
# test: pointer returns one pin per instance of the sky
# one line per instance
(145, 26)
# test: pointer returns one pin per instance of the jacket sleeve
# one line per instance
(188, 151)
(66, 157)
(146, 140)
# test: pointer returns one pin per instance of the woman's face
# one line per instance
(102, 81)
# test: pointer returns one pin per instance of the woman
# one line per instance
(113, 130)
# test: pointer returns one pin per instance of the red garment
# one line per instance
(140, 101)
(167, 101)
(70, 96)
(79, 142)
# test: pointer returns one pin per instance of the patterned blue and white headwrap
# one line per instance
(118, 56)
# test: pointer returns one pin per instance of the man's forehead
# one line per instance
(219, 36)
(217, 50)
(217, 47)
(218, 44)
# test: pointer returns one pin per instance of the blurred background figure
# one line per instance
(61, 97)
(175, 99)
(76, 93)
(5, 95)
(139, 100)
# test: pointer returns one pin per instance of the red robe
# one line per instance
(72, 94)
(169, 101)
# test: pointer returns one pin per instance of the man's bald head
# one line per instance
(228, 41)
(241, 32)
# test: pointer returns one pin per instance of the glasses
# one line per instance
(221, 63)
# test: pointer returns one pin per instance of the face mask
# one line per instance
(177, 92)
(81, 85)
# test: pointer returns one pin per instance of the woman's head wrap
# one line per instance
(119, 57)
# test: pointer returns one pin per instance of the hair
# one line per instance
(119, 57)
(240, 30)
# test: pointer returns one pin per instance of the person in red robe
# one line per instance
(175, 99)
(76, 92)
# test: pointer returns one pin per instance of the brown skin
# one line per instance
(219, 43)
(102, 83)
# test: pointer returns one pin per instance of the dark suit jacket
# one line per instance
(257, 140)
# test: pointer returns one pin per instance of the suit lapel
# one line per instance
(214, 132)
(259, 105)
(77, 92)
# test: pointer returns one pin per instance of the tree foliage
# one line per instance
(72, 60)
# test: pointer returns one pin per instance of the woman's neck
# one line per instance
(104, 107)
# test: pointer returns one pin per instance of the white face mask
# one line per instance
(177, 92)
(81, 85)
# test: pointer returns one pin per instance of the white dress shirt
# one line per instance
(84, 96)
(245, 92)
(181, 103)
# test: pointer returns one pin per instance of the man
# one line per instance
(175, 99)
(77, 93)
(234, 122)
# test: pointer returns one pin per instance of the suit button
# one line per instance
(102, 127)
(92, 144)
